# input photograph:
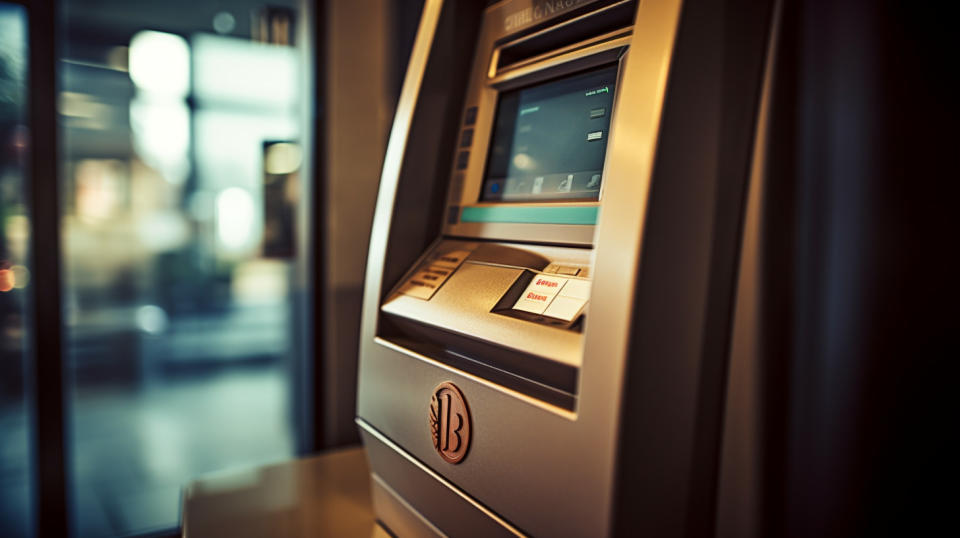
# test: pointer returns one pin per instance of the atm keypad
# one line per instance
(551, 298)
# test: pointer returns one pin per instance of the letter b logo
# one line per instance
(449, 422)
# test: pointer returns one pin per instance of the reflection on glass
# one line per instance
(178, 324)
(15, 483)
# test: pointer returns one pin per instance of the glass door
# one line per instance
(178, 172)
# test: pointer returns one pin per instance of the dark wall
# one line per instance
(861, 255)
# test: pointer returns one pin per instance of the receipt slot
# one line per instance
(552, 266)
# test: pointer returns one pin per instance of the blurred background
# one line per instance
(186, 190)
(15, 481)
(184, 133)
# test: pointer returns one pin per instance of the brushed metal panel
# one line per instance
(505, 469)
(438, 506)
(397, 514)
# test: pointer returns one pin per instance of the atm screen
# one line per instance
(549, 140)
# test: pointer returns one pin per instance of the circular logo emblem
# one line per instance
(449, 422)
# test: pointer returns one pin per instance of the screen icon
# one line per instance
(537, 185)
(594, 182)
(566, 184)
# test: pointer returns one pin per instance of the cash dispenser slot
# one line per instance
(479, 318)
(565, 36)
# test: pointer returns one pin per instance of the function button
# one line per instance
(432, 274)
(418, 288)
(452, 259)
(467, 138)
(547, 284)
(539, 293)
(552, 268)
(565, 308)
(578, 289)
(471, 116)
(532, 302)
(462, 159)
(567, 270)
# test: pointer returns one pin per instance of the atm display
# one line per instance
(550, 140)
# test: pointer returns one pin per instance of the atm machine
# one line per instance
(551, 284)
